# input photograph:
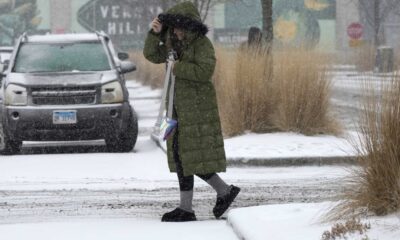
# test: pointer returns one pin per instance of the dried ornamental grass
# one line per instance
(148, 73)
(243, 83)
(293, 95)
(256, 90)
(303, 93)
(345, 230)
(374, 188)
(227, 91)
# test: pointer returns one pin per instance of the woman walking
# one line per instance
(196, 147)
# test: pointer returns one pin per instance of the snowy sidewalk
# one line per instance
(300, 222)
(118, 229)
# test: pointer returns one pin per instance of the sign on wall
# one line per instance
(126, 22)
(297, 23)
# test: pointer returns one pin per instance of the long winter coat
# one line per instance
(201, 146)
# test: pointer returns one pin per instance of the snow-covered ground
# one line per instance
(145, 169)
(54, 186)
(348, 93)
(71, 192)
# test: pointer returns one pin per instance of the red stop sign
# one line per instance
(355, 30)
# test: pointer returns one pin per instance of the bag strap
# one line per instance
(169, 82)
(171, 96)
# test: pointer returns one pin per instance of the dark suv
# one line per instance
(66, 87)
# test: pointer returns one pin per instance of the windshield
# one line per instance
(61, 57)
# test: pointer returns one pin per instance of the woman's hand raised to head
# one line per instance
(156, 25)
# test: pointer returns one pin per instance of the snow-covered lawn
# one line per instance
(280, 146)
(301, 222)
(287, 145)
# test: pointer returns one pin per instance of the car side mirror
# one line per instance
(127, 66)
(123, 56)
(5, 65)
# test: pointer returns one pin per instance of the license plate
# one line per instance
(64, 117)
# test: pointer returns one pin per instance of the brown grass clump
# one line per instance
(244, 88)
(254, 77)
(148, 73)
(227, 91)
(375, 186)
(258, 93)
(343, 230)
(303, 93)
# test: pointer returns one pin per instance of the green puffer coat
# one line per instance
(201, 146)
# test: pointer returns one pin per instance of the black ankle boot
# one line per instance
(178, 215)
(225, 201)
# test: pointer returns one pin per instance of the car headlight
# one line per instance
(16, 95)
(112, 93)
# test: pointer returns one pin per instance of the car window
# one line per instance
(61, 57)
(5, 56)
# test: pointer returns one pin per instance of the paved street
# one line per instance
(56, 182)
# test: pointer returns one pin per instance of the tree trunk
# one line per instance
(377, 22)
(268, 30)
(268, 33)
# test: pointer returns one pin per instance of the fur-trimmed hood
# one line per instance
(184, 16)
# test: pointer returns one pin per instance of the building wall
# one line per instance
(60, 16)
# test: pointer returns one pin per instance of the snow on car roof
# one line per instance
(6, 49)
(71, 37)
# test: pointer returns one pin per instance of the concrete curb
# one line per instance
(238, 234)
(285, 162)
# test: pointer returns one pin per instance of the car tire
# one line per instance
(7, 145)
(126, 141)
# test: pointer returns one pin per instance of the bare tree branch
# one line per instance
(207, 7)
(366, 10)
(376, 13)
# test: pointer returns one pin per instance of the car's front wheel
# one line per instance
(8, 146)
(126, 141)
